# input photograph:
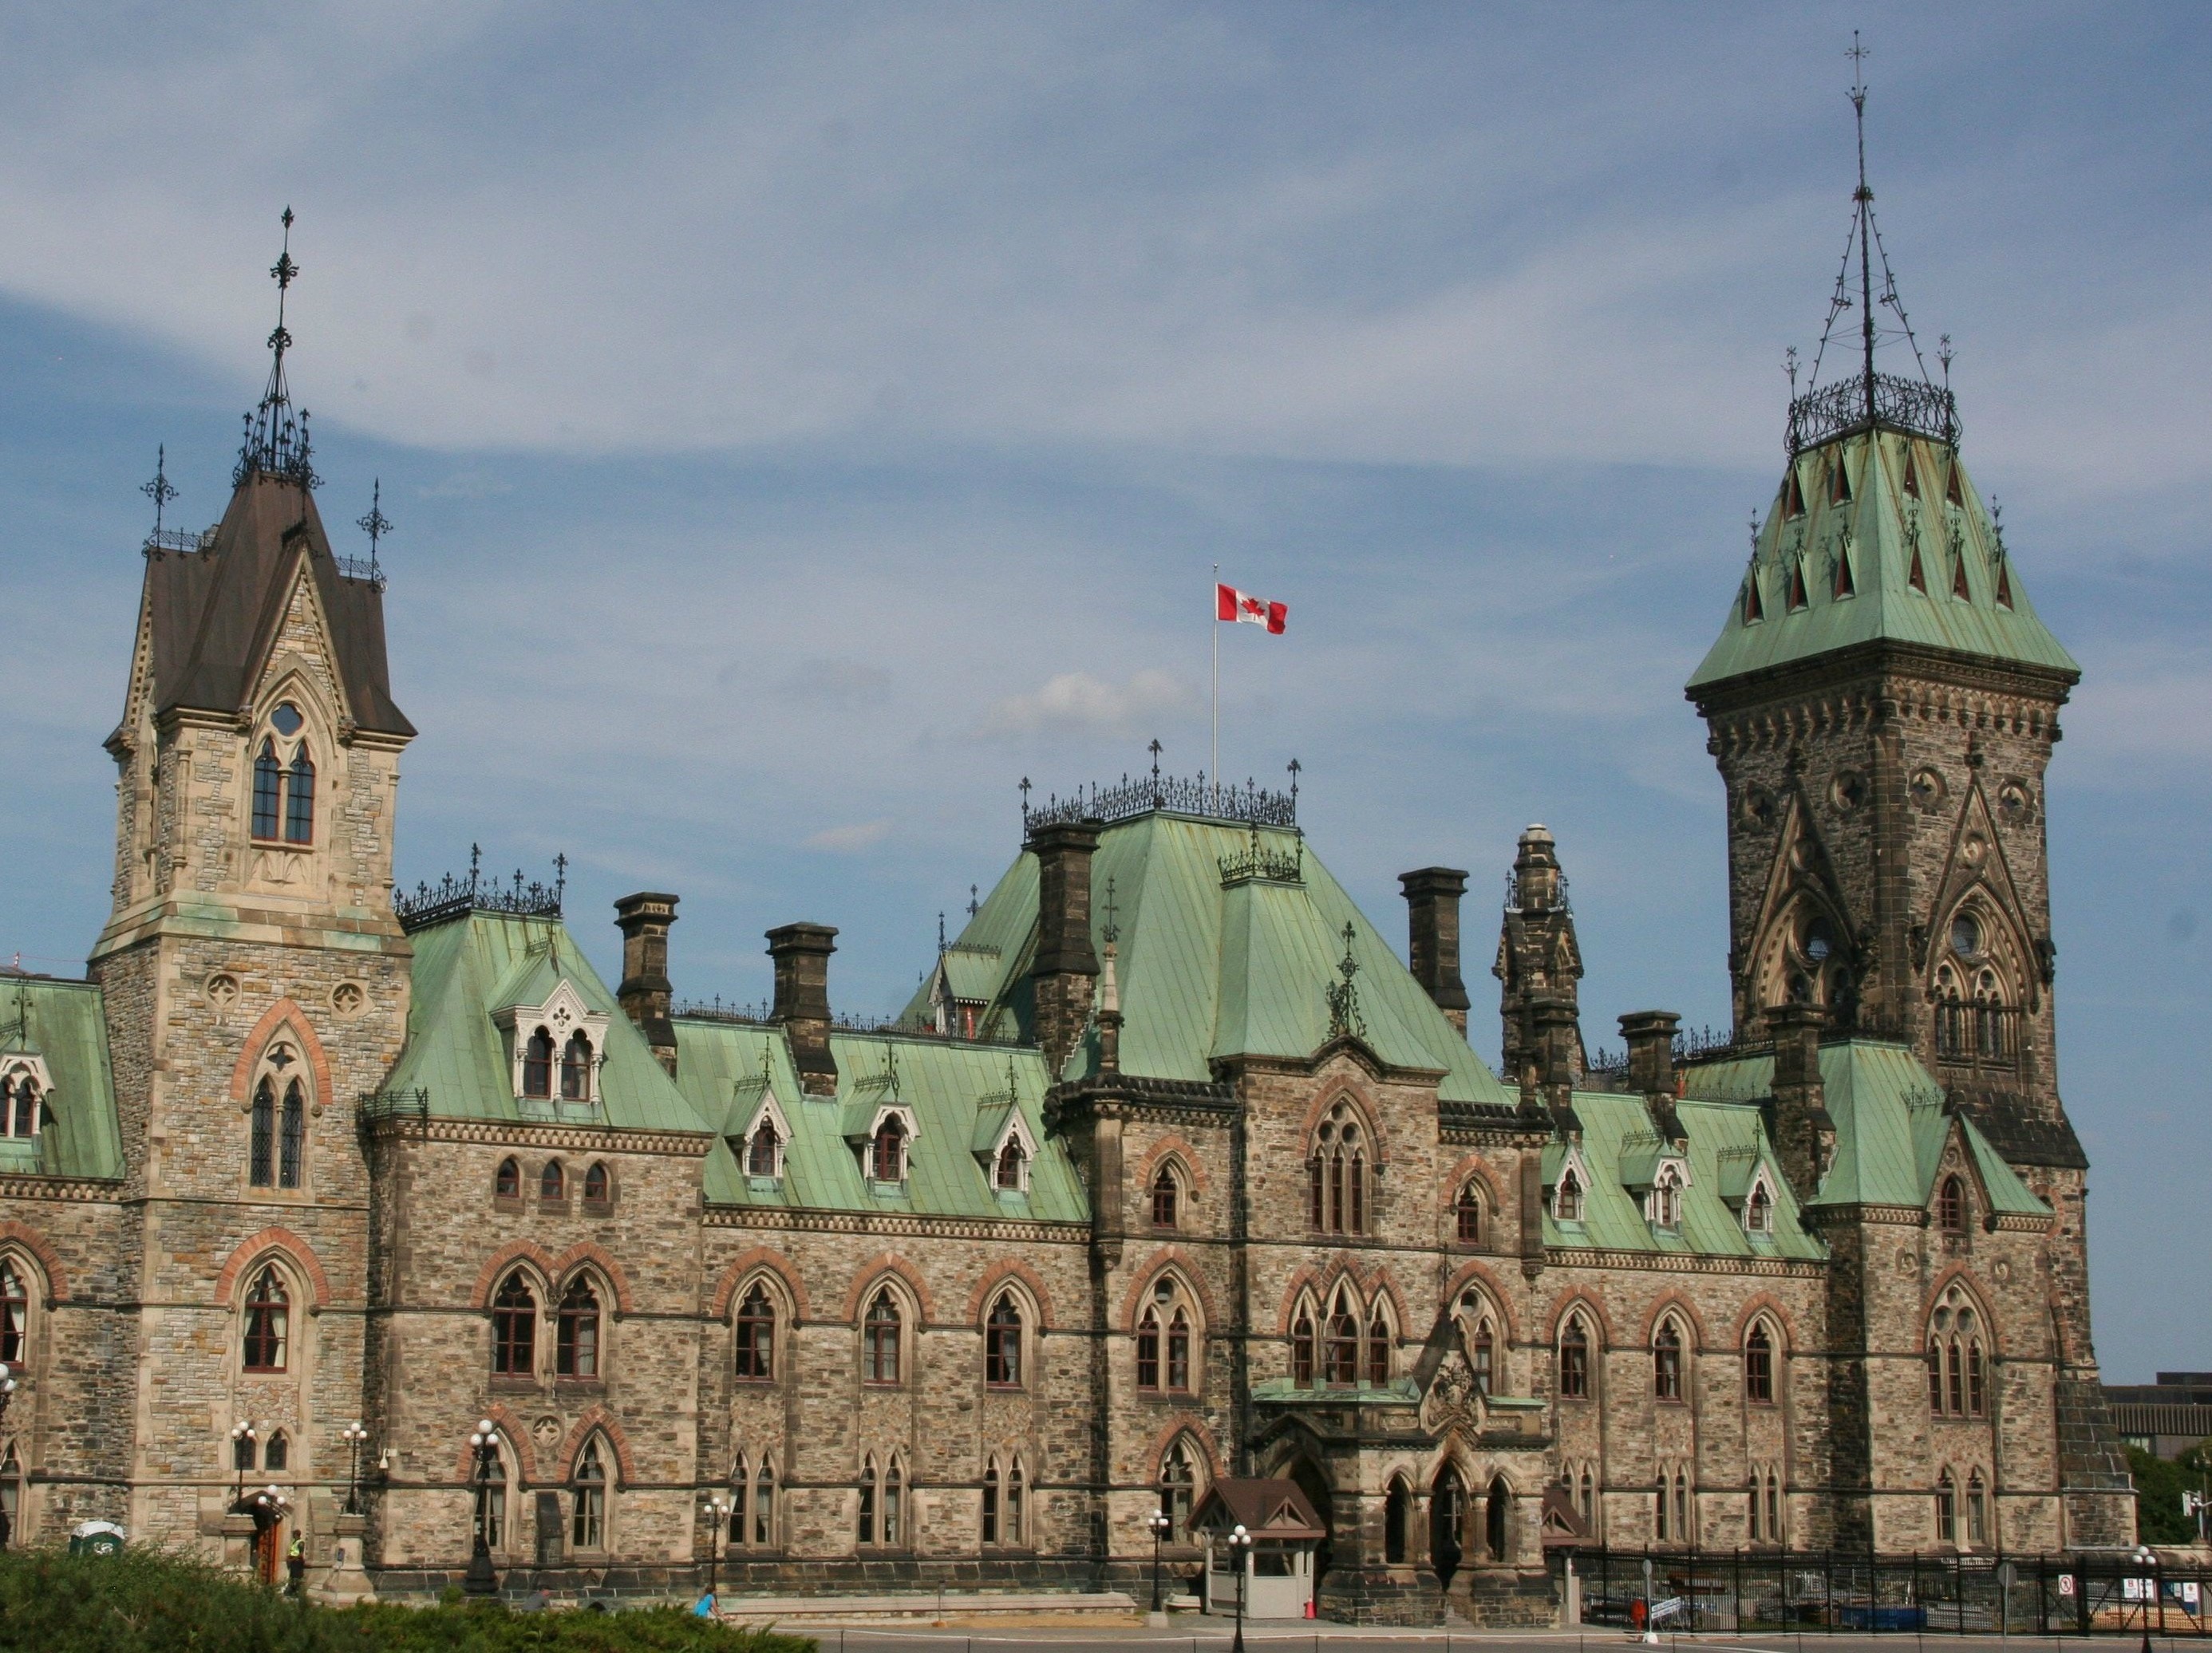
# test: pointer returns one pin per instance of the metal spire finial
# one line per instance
(1295, 768)
(940, 929)
(376, 525)
(277, 441)
(974, 905)
(159, 491)
(1113, 914)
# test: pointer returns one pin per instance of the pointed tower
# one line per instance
(1539, 969)
(1882, 702)
(255, 981)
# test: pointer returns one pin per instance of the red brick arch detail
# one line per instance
(1685, 1312)
(283, 1012)
(873, 1271)
(1584, 1297)
(1157, 1454)
(513, 1251)
(1342, 1089)
(254, 1249)
(585, 1251)
(762, 1260)
(1174, 1147)
(1382, 1284)
(1474, 1169)
(517, 1433)
(43, 1254)
(1958, 1275)
(600, 1419)
(1140, 1283)
(1473, 1271)
(1767, 1303)
(1322, 1280)
(1011, 1268)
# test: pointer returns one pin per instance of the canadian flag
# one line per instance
(1230, 604)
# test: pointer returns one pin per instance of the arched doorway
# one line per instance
(1309, 1479)
(1498, 1520)
(1447, 1512)
(1397, 1521)
(267, 1553)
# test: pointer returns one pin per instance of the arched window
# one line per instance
(1756, 1523)
(756, 1336)
(1302, 1348)
(1467, 1214)
(14, 1317)
(19, 1106)
(576, 1334)
(1974, 1406)
(741, 1486)
(1016, 1501)
(1773, 1507)
(1589, 1497)
(764, 1153)
(1002, 1344)
(576, 1068)
(991, 1502)
(1338, 1173)
(894, 1502)
(277, 1455)
(596, 1184)
(1682, 1530)
(1482, 1354)
(1667, 1362)
(1166, 1197)
(261, 1168)
(292, 1137)
(1759, 1365)
(1947, 1507)
(1958, 1377)
(537, 1064)
(1951, 1207)
(1498, 1515)
(1667, 1197)
(1574, 1360)
(587, 1527)
(268, 789)
(11, 1491)
(1013, 1165)
(1978, 1513)
(890, 1152)
(300, 799)
(881, 1338)
(1396, 1517)
(1379, 1347)
(1340, 1343)
(494, 1504)
(1148, 1349)
(268, 1322)
(1179, 1351)
(867, 1525)
(1567, 1199)
(764, 1503)
(507, 1183)
(552, 1181)
(1758, 1211)
(1178, 1488)
(514, 1328)
(1662, 1527)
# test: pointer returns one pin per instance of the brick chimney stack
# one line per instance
(1066, 969)
(644, 920)
(801, 952)
(1804, 1135)
(1432, 897)
(1649, 1036)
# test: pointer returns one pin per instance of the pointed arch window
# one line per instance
(587, 1526)
(1667, 1362)
(576, 1333)
(1179, 1351)
(894, 1503)
(1758, 1366)
(1178, 1488)
(1167, 1197)
(1951, 1206)
(1667, 1197)
(1574, 1361)
(1002, 1344)
(1467, 1212)
(1947, 1507)
(880, 1338)
(1757, 1524)
(1567, 1199)
(1917, 576)
(596, 1185)
(19, 1106)
(268, 1322)
(764, 1503)
(1337, 1174)
(1958, 1377)
(1017, 1502)
(1397, 1518)
(552, 1181)
(888, 1152)
(1013, 1166)
(267, 791)
(1482, 1355)
(292, 1137)
(867, 1511)
(537, 1064)
(764, 1153)
(1758, 1211)
(991, 1502)
(1798, 598)
(576, 1068)
(1378, 1347)
(1340, 1343)
(277, 1455)
(1978, 1511)
(11, 1490)
(300, 799)
(1148, 1349)
(507, 1183)
(14, 1317)
(1302, 1349)
(756, 1336)
(514, 1328)
(262, 1165)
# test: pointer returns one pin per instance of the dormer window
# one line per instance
(537, 1064)
(764, 1153)
(1013, 1167)
(1798, 599)
(1664, 1206)
(1758, 1211)
(887, 1152)
(1567, 1199)
(23, 1097)
(563, 1037)
(576, 1068)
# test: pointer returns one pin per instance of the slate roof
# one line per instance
(213, 616)
(65, 1025)
(1884, 606)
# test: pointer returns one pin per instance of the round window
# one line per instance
(1820, 940)
(286, 719)
(1965, 936)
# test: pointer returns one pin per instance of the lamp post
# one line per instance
(1240, 1554)
(1162, 1524)
(481, 1580)
(718, 1510)
(353, 1434)
(241, 1449)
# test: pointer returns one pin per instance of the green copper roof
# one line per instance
(958, 1095)
(1213, 965)
(1873, 536)
(65, 1025)
(467, 970)
(1890, 1126)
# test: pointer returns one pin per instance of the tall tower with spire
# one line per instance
(1883, 703)
(255, 980)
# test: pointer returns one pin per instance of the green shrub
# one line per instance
(2159, 1488)
(148, 1600)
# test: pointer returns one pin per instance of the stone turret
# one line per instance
(1540, 963)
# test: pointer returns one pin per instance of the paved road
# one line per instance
(1265, 1638)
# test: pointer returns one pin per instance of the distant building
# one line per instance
(2165, 1417)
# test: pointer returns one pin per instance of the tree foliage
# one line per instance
(2159, 1488)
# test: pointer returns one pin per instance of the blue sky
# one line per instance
(802, 424)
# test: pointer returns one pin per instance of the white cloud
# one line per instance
(850, 840)
(1075, 702)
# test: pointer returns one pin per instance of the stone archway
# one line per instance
(1307, 1475)
(1447, 1517)
(1498, 1520)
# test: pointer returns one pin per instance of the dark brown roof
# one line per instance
(215, 614)
(2134, 1417)
(1265, 1509)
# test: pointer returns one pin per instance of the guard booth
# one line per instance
(1279, 1568)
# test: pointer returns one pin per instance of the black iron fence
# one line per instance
(1749, 1590)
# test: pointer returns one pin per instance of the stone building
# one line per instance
(1173, 1171)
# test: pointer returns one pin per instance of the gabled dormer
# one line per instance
(555, 1049)
(1005, 1146)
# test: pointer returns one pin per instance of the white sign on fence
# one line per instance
(2065, 1584)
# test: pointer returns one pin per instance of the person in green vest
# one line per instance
(296, 1564)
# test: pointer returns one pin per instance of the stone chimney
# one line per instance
(801, 952)
(1433, 895)
(1804, 1135)
(1063, 977)
(643, 919)
(1110, 1015)
(1555, 1056)
(1649, 1036)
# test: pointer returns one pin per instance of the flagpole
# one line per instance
(1214, 757)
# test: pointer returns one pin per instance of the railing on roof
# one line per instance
(365, 569)
(763, 1015)
(1561, 902)
(1703, 1045)
(1143, 794)
(452, 897)
(179, 539)
(1913, 405)
(377, 1105)
(713, 1010)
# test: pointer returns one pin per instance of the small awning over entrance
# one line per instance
(1276, 1577)
(1265, 1509)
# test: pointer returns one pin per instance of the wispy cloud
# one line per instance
(1075, 702)
(850, 840)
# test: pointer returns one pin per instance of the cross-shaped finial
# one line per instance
(159, 490)
(376, 525)
(476, 858)
(1113, 912)
(1944, 353)
(1025, 798)
(1789, 366)
(974, 905)
(940, 929)
(1154, 748)
(1754, 535)
(560, 875)
(1295, 768)
(1350, 968)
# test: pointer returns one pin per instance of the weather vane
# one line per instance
(159, 490)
